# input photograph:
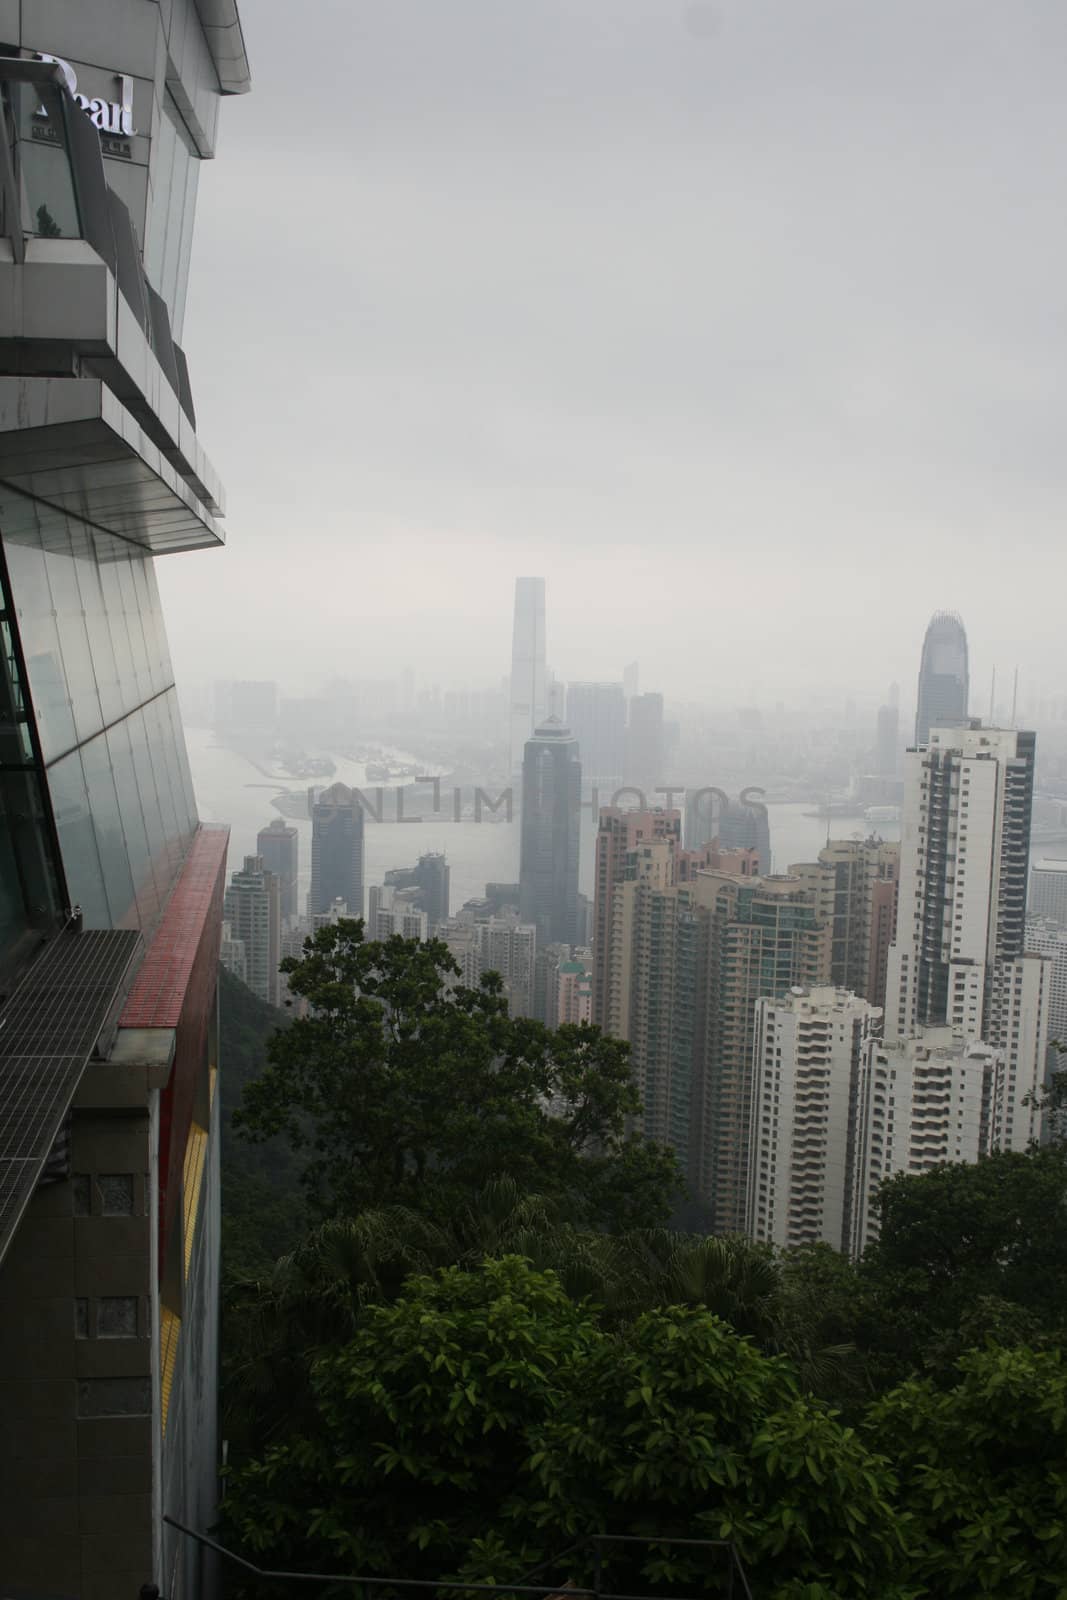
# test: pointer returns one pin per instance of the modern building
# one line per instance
(1046, 937)
(278, 845)
(430, 878)
(573, 990)
(854, 884)
(549, 836)
(393, 911)
(944, 678)
(646, 750)
(529, 685)
(921, 1101)
(252, 907)
(1048, 891)
(958, 957)
(336, 850)
(110, 887)
(596, 715)
(807, 1057)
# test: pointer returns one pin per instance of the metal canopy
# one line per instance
(69, 443)
(48, 1029)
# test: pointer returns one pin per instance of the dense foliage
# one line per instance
(487, 1345)
(403, 1086)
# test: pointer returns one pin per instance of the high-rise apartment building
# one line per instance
(496, 944)
(596, 715)
(336, 850)
(1048, 891)
(392, 911)
(549, 836)
(110, 887)
(618, 834)
(958, 958)
(278, 845)
(920, 1102)
(529, 682)
(686, 943)
(645, 760)
(808, 1054)
(252, 907)
(232, 954)
(854, 885)
(944, 678)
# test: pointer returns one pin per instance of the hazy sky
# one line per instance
(743, 323)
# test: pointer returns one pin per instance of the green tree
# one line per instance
(484, 1420)
(982, 1471)
(967, 1252)
(403, 1087)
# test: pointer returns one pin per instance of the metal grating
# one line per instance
(48, 1029)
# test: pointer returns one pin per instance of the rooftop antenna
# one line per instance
(992, 696)
(1014, 696)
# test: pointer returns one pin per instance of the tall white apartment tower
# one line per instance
(958, 957)
(808, 1059)
(529, 688)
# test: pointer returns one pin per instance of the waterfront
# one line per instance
(229, 788)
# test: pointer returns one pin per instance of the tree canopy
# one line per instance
(402, 1086)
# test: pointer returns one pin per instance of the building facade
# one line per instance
(110, 886)
(646, 748)
(392, 911)
(807, 1058)
(549, 834)
(430, 877)
(528, 693)
(336, 850)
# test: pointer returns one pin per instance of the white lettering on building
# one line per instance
(110, 116)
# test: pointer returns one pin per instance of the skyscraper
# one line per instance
(395, 911)
(596, 715)
(886, 741)
(958, 956)
(278, 845)
(336, 851)
(549, 838)
(943, 676)
(645, 744)
(618, 833)
(111, 888)
(529, 686)
(734, 825)
(252, 909)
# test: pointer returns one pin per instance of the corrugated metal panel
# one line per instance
(48, 1029)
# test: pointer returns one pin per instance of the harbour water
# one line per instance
(229, 788)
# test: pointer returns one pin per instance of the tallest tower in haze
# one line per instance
(943, 676)
(528, 675)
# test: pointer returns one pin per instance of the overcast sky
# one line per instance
(743, 323)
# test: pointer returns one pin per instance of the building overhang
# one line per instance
(225, 39)
(70, 448)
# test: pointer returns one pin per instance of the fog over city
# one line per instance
(741, 323)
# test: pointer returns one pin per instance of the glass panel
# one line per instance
(146, 896)
(110, 839)
(155, 831)
(50, 209)
(32, 596)
(77, 840)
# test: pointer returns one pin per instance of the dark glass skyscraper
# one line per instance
(551, 814)
(943, 676)
(278, 845)
(336, 851)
